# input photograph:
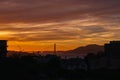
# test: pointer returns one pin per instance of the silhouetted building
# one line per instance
(112, 51)
(3, 48)
(74, 63)
(95, 61)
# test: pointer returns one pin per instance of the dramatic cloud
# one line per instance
(55, 10)
(75, 22)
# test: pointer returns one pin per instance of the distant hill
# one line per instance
(84, 50)
(93, 48)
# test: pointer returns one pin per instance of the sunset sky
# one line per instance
(34, 25)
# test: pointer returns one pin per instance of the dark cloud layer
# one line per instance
(54, 10)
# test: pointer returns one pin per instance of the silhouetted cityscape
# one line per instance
(103, 65)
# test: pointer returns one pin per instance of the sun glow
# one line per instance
(4, 33)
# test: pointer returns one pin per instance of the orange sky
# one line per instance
(30, 25)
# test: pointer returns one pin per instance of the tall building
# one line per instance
(112, 51)
(3, 48)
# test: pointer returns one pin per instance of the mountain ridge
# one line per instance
(92, 48)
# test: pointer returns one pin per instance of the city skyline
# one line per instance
(37, 25)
